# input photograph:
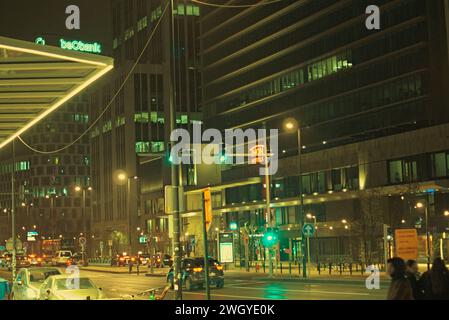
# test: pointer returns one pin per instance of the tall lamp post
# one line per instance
(83, 248)
(292, 125)
(426, 212)
(122, 177)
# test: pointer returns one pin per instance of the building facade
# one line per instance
(372, 110)
(131, 139)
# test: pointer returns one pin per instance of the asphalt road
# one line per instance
(126, 286)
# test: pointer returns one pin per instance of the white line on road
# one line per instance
(307, 291)
(225, 295)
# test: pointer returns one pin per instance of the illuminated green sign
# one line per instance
(77, 45)
(74, 45)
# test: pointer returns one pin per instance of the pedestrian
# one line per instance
(130, 265)
(138, 264)
(435, 282)
(400, 288)
(412, 274)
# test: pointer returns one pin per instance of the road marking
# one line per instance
(225, 295)
(307, 291)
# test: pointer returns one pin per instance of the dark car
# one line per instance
(192, 271)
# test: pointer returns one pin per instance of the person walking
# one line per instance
(400, 288)
(130, 265)
(413, 275)
(435, 282)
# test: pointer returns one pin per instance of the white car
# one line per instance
(61, 257)
(28, 282)
(69, 287)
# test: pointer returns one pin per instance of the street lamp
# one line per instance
(123, 177)
(420, 205)
(83, 246)
(292, 125)
(446, 213)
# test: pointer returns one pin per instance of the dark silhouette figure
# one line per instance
(400, 288)
(435, 282)
(413, 275)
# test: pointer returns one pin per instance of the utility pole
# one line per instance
(174, 170)
(13, 212)
(301, 207)
(269, 221)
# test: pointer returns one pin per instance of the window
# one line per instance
(142, 147)
(395, 169)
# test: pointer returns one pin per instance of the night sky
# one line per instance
(27, 19)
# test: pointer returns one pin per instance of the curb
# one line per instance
(113, 272)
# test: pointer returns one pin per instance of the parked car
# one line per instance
(67, 287)
(27, 284)
(192, 273)
(161, 260)
(62, 257)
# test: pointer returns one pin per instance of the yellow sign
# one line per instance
(406, 243)
(207, 208)
(257, 154)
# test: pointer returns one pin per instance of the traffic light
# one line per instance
(270, 238)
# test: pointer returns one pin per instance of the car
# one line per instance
(144, 259)
(192, 273)
(76, 259)
(62, 257)
(35, 260)
(27, 284)
(167, 260)
(123, 260)
(68, 287)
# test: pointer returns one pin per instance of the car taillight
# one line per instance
(197, 269)
(219, 267)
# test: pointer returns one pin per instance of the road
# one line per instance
(124, 285)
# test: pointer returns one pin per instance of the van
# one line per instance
(61, 257)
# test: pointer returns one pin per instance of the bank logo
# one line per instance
(237, 147)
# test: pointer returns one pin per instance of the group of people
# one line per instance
(408, 284)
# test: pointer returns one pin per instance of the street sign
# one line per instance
(208, 208)
(82, 241)
(226, 247)
(406, 243)
(31, 236)
(257, 154)
(143, 239)
(308, 230)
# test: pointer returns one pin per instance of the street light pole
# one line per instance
(13, 213)
(426, 214)
(269, 220)
(427, 236)
(301, 200)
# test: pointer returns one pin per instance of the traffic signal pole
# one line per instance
(206, 253)
(301, 207)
